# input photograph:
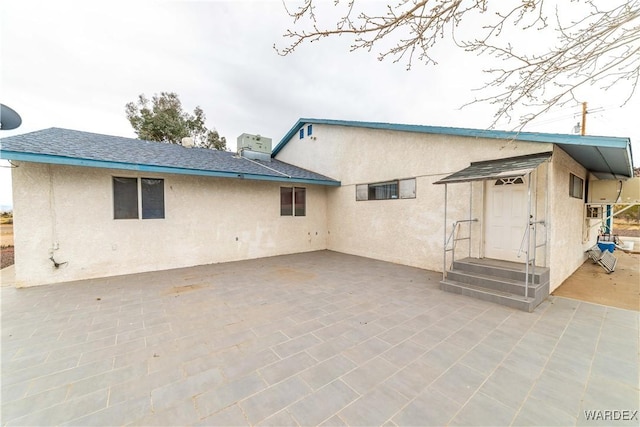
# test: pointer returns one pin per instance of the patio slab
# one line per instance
(319, 338)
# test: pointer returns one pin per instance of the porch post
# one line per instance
(528, 239)
(444, 247)
(470, 214)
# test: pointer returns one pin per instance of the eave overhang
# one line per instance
(73, 161)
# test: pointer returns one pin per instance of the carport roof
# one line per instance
(77, 148)
(607, 157)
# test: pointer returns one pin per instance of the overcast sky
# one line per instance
(75, 64)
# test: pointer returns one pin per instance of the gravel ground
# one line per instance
(6, 258)
(628, 233)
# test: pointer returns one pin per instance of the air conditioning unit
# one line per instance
(594, 212)
(609, 192)
(257, 143)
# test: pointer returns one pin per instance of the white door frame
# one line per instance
(505, 213)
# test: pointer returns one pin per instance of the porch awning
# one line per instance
(498, 168)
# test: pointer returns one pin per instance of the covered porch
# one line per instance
(495, 247)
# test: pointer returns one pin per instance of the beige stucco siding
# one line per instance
(406, 231)
(567, 227)
(67, 212)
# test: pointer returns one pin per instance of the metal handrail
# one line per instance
(451, 240)
(528, 260)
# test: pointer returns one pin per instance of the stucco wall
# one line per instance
(567, 226)
(68, 212)
(408, 231)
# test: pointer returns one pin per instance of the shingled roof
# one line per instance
(72, 147)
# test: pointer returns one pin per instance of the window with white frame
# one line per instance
(127, 192)
(576, 186)
(387, 190)
(293, 201)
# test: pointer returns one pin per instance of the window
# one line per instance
(127, 192)
(383, 190)
(125, 198)
(301, 133)
(152, 198)
(576, 185)
(293, 201)
(309, 130)
(286, 201)
(300, 201)
(509, 181)
(396, 189)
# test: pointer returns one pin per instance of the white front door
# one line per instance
(506, 218)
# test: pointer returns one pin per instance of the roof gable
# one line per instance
(71, 147)
(605, 156)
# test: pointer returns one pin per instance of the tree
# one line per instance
(165, 121)
(547, 50)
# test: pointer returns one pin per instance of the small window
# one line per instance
(383, 190)
(301, 133)
(362, 192)
(397, 189)
(576, 186)
(152, 198)
(509, 181)
(300, 201)
(125, 198)
(309, 130)
(407, 188)
(127, 192)
(286, 201)
(293, 201)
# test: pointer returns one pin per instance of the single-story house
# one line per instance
(89, 205)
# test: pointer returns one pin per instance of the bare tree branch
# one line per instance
(600, 45)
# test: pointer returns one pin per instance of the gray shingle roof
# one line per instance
(72, 147)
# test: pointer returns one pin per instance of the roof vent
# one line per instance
(187, 141)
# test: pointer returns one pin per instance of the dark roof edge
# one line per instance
(73, 161)
(555, 138)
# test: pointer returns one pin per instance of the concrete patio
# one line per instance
(320, 338)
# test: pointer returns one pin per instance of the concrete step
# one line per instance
(501, 269)
(508, 299)
(497, 283)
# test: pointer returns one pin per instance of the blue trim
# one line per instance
(555, 138)
(71, 161)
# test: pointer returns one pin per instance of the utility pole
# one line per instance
(583, 128)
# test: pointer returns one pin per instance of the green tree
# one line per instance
(162, 119)
(544, 53)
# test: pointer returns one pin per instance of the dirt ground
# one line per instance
(6, 235)
(623, 228)
(619, 289)
(6, 257)
(6, 243)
